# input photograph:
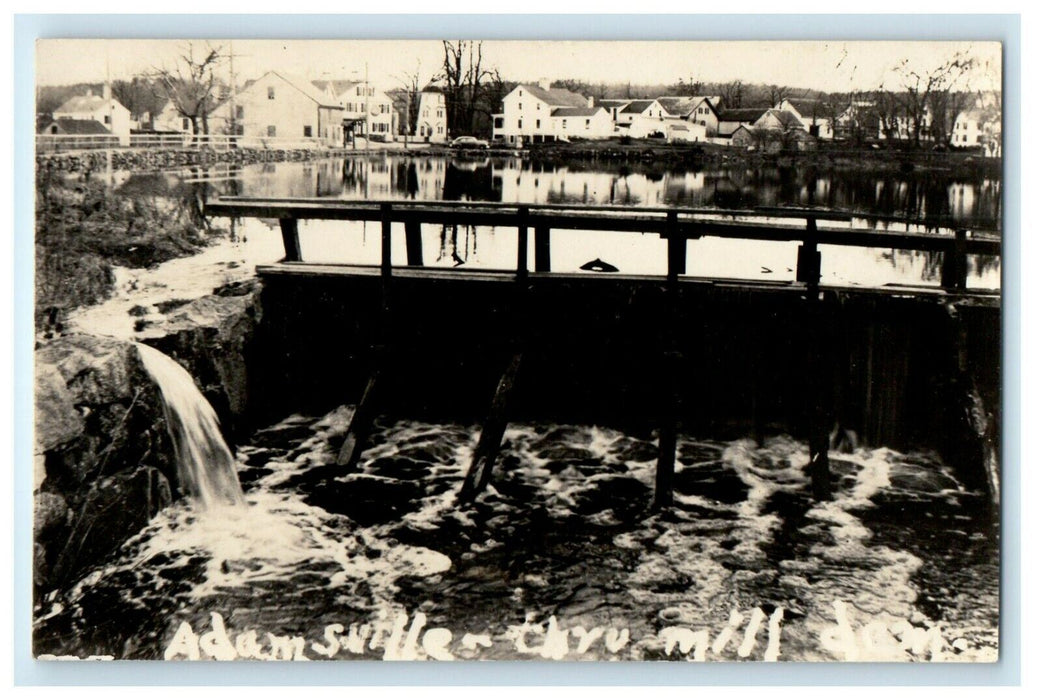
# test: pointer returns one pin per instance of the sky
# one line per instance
(831, 66)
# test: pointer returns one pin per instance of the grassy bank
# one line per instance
(84, 229)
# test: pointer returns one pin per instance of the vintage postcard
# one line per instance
(462, 349)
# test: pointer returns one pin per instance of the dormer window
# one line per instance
(271, 93)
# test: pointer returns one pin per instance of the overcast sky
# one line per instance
(830, 66)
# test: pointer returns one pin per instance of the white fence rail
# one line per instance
(218, 142)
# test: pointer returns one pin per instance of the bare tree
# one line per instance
(192, 84)
(776, 93)
(733, 92)
(462, 75)
(138, 95)
(919, 87)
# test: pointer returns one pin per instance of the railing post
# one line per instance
(290, 239)
(808, 258)
(522, 243)
(954, 267)
(413, 243)
(676, 249)
(385, 239)
(542, 248)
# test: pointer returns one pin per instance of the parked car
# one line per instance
(468, 142)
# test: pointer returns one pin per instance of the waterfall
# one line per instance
(205, 466)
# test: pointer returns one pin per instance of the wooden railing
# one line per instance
(217, 142)
(808, 227)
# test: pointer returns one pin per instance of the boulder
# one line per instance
(57, 420)
(115, 509)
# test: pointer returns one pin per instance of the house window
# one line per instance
(564, 123)
(184, 123)
(518, 123)
(108, 119)
(239, 112)
(271, 131)
(271, 93)
(537, 123)
(587, 123)
(519, 105)
(307, 131)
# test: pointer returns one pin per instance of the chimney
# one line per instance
(544, 83)
(90, 92)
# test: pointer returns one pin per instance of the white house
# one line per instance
(280, 106)
(106, 110)
(978, 128)
(815, 115)
(538, 113)
(169, 119)
(641, 109)
(706, 113)
(367, 111)
(432, 120)
(728, 120)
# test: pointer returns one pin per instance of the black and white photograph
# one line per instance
(465, 349)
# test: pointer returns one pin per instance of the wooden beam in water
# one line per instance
(481, 465)
(667, 437)
(361, 423)
(676, 249)
(290, 239)
(413, 243)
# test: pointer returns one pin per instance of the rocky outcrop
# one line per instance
(104, 458)
(99, 420)
(211, 337)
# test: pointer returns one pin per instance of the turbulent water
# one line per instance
(205, 465)
(561, 558)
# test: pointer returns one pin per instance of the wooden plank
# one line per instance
(954, 267)
(623, 221)
(361, 422)
(820, 214)
(522, 243)
(413, 243)
(676, 249)
(808, 258)
(290, 239)
(385, 240)
(542, 249)
(480, 471)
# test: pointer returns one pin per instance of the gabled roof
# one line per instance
(337, 87)
(683, 106)
(637, 106)
(748, 114)
(85, 127)
(317, 95)
(807, 107)
(556, 97)
(85, 103)
(788, 119)
(574, 111)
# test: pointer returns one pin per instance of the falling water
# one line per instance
(205, 465)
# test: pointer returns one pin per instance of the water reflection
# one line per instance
(975, 202)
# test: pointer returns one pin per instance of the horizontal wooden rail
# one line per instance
(676, 225)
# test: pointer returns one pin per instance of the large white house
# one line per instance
(105, 110)
(539, 113)
(366, 111)
(283, 107)
(432, 120)
(978, 128)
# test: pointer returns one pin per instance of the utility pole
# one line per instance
(231, 80)
(367, 104)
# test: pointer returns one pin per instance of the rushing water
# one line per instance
(205, 465)
(561, 557)
(901, 565)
